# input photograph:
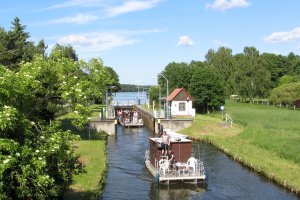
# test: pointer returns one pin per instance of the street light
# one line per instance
(252, 92)
(159, 99)
(106, 99)
(167, 94)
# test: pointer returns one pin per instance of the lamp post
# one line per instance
(106, 99)
(159, 99)
(251, 92)
(167, 94)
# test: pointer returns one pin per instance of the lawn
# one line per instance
(264, 138)
(92, 152)
(88, 185)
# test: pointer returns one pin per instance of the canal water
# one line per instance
(129, 179)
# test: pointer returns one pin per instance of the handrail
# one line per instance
(229, 120)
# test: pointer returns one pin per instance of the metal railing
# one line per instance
(229, 120)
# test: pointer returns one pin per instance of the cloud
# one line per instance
(74, 3)
(131, 6)
(279, 37)
(227, 4)
(96, 41)
(77, 19)
(185, 41)
(102, 41)
(220, 43)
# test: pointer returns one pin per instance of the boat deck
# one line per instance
(174, 175)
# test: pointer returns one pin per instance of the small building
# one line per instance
(181, 103)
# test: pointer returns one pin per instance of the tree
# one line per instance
(115, 79)
(222, 61)
(38, 160)
(277, 65)
(154, 94)
(15, 47)
(286, 94)
(251, 78)
(66, 52)
(206, 86)
(178, 75)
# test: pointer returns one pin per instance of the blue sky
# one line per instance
(138, 38)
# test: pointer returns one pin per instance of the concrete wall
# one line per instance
(174, 124)
(146, 116)
(107, 126)
(152, 123)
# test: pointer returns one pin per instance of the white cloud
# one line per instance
(77, 19)
(185, 41)
(220, 43)
(73, 3)
(96, 41)
(102, 41)
(227, 4)
(278, 37)
(131, 6)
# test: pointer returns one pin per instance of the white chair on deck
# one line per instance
(191, 164)
(164, 165)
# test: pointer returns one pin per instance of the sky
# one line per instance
(138, 38)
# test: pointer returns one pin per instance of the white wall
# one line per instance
(189, 110)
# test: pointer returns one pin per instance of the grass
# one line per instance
(264, 138)
(87, 185)
(270, 128)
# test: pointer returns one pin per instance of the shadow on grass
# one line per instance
(71, 194)
(85, 133)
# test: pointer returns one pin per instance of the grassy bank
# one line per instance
(264, 138)
(89, 184)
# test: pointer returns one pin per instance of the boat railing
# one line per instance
(179, 169)
(200, 167)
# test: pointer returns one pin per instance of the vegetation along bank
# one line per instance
(264, 138)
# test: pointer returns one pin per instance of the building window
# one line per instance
(181, 106)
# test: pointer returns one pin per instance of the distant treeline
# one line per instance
(134, 88)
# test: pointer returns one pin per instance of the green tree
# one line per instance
(15, 47)
(154, 95)
(286, 94)
(115, 79)
(222, 61)
(66, 51)
(206, 86)
(38, 160)
(251, 78)
(178, 75)
(277, 65)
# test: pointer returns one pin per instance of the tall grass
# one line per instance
(271, 128)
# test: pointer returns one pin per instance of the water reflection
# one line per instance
(177, 191)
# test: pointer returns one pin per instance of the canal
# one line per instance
(129, 179)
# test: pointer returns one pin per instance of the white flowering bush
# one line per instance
(37, 160)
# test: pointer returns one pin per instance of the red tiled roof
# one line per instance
(176, 92)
